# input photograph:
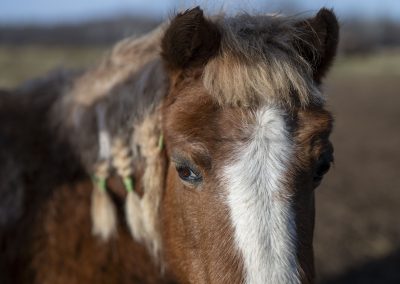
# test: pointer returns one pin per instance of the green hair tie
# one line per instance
(161, 142)
(128, 183)
(100, 183)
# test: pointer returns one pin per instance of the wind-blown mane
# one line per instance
(109, 118)
(127, 83)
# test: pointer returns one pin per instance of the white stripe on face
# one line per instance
(260, 206)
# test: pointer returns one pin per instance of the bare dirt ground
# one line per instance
(357, 238)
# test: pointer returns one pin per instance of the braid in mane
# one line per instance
(102, 209)
(122, 162)
(111, 118)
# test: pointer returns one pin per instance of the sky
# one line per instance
(57, 11)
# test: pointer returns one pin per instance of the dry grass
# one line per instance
(357, 236)
(20, 63)
(378, 64)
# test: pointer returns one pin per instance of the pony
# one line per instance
(189, 155)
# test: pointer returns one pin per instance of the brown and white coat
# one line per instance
(227, 199)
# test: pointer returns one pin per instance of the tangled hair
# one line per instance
(110, 117)
(258, 62)
(111, 114)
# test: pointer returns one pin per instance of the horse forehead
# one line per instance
(193, 113)
(222, 129)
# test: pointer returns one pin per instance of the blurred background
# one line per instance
(357, 238)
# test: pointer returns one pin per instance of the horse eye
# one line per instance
(187, 174)
(322, 167)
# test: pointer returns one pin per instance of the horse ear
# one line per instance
(318, 40)
(190, 41)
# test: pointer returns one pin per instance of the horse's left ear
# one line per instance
(190, 40)
(318, 40)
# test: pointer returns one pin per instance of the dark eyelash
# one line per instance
(182, 162)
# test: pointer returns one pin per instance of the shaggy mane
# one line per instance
(125, 59)
(111, 116)
(258, 62)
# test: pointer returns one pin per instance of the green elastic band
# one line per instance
(128, 183)
(100, 183)
(161, 141)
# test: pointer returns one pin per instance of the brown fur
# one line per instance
(51, 239)
(318, 41)
(68, 252)
(47, 238)
(188, 250)
(201, 253)
(312, 129)
(184, 131)
(191, 40)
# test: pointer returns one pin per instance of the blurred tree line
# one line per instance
(96, 32)
(362, 36)
(357, 36)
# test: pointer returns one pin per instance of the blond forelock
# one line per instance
(258, 63)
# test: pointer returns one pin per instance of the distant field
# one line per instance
(21, 63)
(376, 64)
(24, 62)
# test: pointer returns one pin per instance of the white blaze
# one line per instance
(260, 207)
